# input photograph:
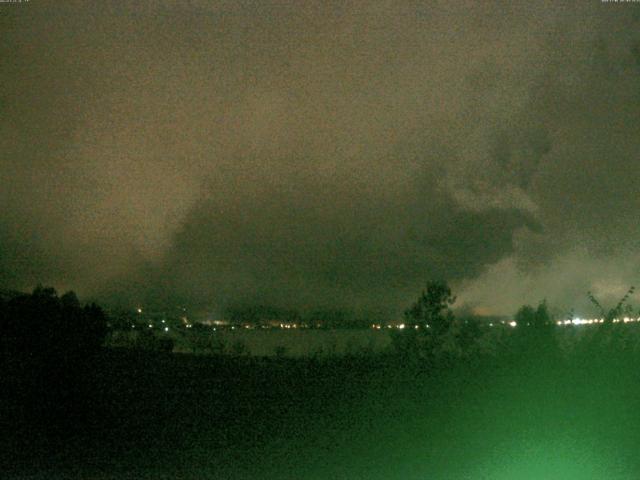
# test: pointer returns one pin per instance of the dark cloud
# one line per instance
(313, 243)
(335, 154)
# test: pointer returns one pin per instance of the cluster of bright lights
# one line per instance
(584, 321)
(579, 321)
(402, 326)
(399, 326)
(593, 321)
(288, 326)
(626, 320)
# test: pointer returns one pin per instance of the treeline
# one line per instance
(45, 326)
(48, 344)
(43, 331)
(433, 332)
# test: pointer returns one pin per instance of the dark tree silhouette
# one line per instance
(539, 317)
(43, 327)
(432, 314)
(534, 338)
(47, 348)
(70, 300)
(525, 315)
(432, 309)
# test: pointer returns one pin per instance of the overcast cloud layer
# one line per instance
(337, 154)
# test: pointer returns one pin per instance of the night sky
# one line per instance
(336, 154)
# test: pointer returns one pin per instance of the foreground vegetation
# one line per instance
(541, 402)
(158, 415)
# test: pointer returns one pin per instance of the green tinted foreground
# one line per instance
(172, 417)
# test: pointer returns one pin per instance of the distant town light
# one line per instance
(139, 310)
(166, 329)
(513, 324)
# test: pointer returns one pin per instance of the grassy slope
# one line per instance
(176, 416)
